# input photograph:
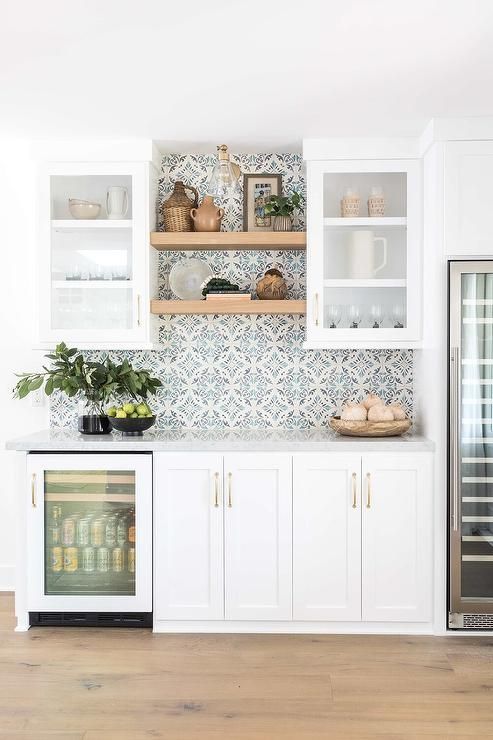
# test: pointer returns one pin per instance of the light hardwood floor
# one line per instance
(83, 684)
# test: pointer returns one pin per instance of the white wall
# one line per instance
(17, 315)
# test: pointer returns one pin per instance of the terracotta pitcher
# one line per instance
(208, 216)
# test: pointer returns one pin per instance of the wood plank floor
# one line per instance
(96, 684)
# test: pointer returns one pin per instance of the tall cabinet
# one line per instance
(363, 250)
(97, 275)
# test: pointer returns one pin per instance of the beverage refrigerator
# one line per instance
(89, 544)
(470, 445)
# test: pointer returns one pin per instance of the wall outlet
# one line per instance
(38, 398)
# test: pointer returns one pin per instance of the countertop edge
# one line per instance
(185, 441)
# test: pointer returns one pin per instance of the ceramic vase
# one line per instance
(208, 216)
(282, 223)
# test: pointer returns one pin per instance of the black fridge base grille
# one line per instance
(90, 619)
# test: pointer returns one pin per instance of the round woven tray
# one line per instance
(370, 428)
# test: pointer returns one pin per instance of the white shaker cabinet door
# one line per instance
(258, 536)
(468, 194)
(188, 536)
(397, 537)
(327, 537)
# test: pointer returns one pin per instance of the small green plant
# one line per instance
(97, 382)
(283, 205)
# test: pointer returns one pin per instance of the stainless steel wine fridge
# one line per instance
(471, 445)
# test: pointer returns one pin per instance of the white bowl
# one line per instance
(83, 208)
(186, 278)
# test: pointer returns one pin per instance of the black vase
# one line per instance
(93, 424)
(91, 419)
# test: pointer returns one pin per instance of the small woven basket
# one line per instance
(376, 205)
(350, 206)
(176, 210)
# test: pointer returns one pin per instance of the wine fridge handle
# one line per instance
(454, 435)
(33, 490)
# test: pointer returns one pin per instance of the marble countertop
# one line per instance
(216, 440)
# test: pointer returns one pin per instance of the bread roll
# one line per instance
(379, 412)
(398, 411)
(371, 400)
(353, 412)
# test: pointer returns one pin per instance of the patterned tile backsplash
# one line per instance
(251, 371)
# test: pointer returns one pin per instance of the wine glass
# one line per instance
(377, 316)
(355, 316)
(334, 314)
(398, 316)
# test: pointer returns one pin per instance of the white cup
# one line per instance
(361, 254)
(116, 202)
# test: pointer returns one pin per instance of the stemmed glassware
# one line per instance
(355, 316)
(334, 315)
(377, 316)
(398, 316)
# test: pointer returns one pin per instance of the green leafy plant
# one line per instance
(97, 382)
(283, 205)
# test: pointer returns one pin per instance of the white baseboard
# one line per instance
(7, 578)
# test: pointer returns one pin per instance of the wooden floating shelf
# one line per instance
(223, 306)
(227, 240)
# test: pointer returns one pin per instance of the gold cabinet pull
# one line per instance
(315, 303)
(230, 497)
(33, 490)
(216, 489)
(353, 485)
(368, 490)
(138, 309)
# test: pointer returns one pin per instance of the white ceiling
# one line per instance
(257, 75)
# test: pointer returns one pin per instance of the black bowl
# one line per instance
(132, 427)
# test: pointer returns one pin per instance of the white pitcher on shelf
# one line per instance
(361, 254)
(116, 202)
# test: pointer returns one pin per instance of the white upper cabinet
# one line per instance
(327, 537)
(363, 254)
(96, 274)
(257, 536)
(468, 195)
(397, 537)
(188, 536)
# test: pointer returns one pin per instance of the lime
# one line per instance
(129, 408)
(111, 411)
(134, 415)
(121, 414)
(142, 409)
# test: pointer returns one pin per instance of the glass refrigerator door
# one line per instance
(90, 537)
(472, 455)
(89, 532)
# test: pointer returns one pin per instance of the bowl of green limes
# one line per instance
(132, 419)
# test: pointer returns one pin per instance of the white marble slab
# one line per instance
(218, 440)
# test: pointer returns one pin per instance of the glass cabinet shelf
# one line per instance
(67, 224)
(363, 221)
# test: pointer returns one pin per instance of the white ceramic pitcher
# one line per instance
(116, 202)
(362, 254)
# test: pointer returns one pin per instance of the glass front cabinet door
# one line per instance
(89, 544)
(363, 253)
(95, 259)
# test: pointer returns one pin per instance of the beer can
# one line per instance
(88, 559)
(83, 532)
(97, 532)
(131, 559)
(103, 561)
(121, 531)
(110, 531)
(70, 559)
(68, 532)
(117, 560)
(56, 559)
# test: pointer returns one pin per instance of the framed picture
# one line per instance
(257, 189)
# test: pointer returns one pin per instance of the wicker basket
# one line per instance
(176, 210)
(376, 205)
(370, 428)
(350, 206)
